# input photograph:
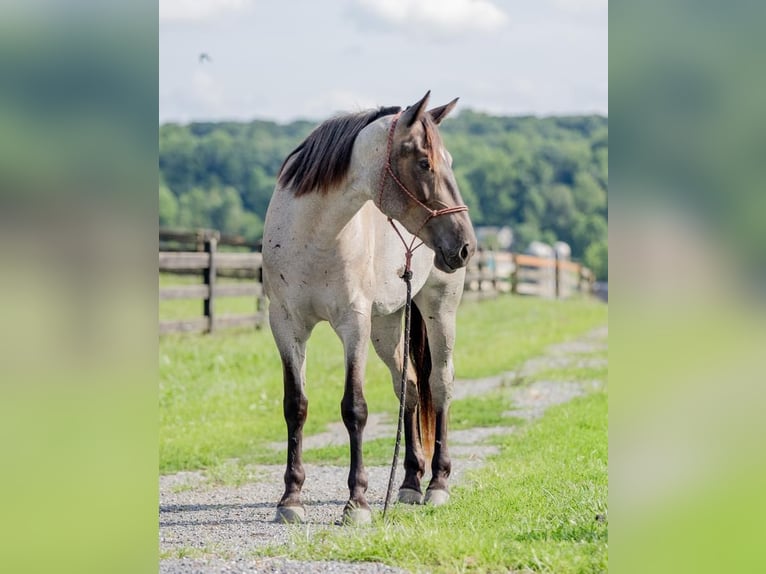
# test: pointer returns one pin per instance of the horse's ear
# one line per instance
(415, 111)
(438, 114)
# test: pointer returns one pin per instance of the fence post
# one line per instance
(557, 294)
(514, 275)
(209, 280)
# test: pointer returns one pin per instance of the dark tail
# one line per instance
(420, 356)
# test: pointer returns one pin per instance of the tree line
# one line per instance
(546, 178)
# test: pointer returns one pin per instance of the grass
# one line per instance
(231, 473)
(534, 507)
(194, 552)
(499, 335)
(191, 308)
(482, 411)
(221, 395)
(377, 452)
(581, 373)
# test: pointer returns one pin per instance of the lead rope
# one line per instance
(407, 277)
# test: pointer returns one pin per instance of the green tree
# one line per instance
(546, 178)
(168, 207)
(597, 259)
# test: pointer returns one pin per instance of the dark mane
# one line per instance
(321, 161)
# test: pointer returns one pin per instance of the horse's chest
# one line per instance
(390, 295)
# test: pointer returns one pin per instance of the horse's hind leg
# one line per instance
(291, 342)
(388, 343)
(438, 302)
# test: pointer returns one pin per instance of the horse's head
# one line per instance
(419, 189)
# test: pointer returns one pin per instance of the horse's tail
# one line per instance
(420, 356)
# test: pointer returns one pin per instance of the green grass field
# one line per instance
(538, 506)
(221, 395)
(533, 507)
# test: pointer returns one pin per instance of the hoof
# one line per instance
(290, 514)
(356, 516)
(436, 497)
(410, 496)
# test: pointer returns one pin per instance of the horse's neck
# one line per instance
(327, 214)
(368, 159)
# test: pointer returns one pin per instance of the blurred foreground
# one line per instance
(688, 317)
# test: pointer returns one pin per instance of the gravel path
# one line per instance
(211, 529)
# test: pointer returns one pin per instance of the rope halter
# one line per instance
(388, 171)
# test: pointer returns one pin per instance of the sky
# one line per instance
(301, 59)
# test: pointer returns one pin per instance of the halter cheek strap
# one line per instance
(388, 171)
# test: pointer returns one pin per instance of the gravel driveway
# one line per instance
(206, 529)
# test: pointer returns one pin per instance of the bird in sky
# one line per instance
(204, 57)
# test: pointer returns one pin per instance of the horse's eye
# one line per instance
(424, 163)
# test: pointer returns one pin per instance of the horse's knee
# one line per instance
(354, 411)
(295, 409)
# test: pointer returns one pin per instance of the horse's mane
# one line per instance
(321, 161)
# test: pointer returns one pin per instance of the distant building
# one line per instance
(562, 250)
(540, 249)
(544, 280)
(495, 238)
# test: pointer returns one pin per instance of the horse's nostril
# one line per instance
(464, 252)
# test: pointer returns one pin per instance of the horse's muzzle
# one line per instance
(450, 262)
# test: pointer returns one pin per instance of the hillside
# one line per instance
(546, 178)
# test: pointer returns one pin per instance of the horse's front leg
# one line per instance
(291, 341)
(355, 334)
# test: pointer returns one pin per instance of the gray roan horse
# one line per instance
(331, 254)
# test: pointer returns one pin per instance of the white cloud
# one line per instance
(433, 17)
(193, 10)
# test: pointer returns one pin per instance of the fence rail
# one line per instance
(212, 264)
(489, 274)
(178, 240)
(492, 273)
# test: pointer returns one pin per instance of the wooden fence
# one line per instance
(492, 273)
(175, 240)
(489, 274)
(211, 264)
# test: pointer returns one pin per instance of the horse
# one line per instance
(349, 203)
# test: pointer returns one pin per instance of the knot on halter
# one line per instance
(408, 251)
(388, 170)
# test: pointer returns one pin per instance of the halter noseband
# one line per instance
(388, 170)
